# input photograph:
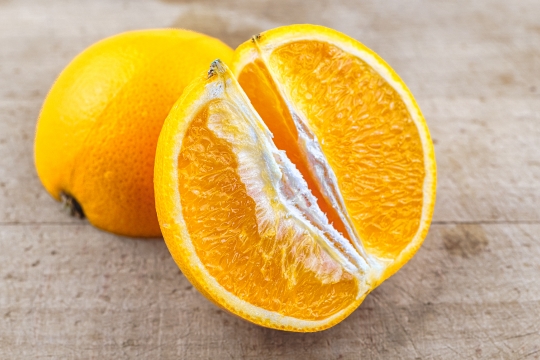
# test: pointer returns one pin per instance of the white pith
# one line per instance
(283, 200)
(278, 183)
(319, 167)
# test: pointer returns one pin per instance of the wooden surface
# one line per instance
(68, 290)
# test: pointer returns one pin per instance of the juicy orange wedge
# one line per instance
(287, 195)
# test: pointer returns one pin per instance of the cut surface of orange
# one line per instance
(290, 187)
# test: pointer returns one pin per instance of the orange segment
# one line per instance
(284, 272)
(240, 220)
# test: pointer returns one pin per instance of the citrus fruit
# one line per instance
(97, 132)
(288, 190)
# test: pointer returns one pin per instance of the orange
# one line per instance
(287, 195)
(97, 132)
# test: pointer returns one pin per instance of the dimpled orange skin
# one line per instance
(98, 129)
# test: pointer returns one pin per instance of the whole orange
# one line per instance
(97, 132)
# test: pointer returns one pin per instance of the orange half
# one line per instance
(287, 203)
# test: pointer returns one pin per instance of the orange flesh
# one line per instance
(282, 271)
(367, 135)
(365, 130)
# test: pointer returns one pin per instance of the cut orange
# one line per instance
(288, 203)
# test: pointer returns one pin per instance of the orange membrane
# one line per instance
(262, 91)
(364, 128)
(282, 271)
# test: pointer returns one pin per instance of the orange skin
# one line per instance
(97, 132)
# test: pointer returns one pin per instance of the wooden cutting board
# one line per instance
(68, 290)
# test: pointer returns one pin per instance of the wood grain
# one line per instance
(68, 290)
